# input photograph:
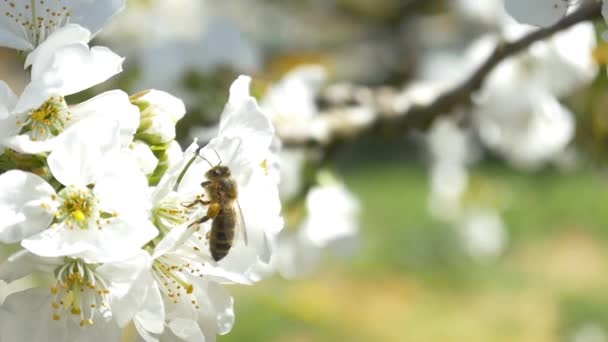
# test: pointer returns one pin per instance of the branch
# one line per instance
(421, 117)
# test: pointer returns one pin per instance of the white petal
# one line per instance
(243, 118)
(26, 205)
(24, 144)
(538, 12)
(33, 305)
(186, 329)
(172, 240)
(78, 68)
(114, 105)
(36, 93)
(129, 282)
(146, 159)
(8, 100)
(8, 121)
(13, 40)
(222, 304)
(42, 56)
(81, 151)
(115, 241)
(151, 317)
(122, 187)
(23, 263)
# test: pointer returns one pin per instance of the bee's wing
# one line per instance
(241, 229)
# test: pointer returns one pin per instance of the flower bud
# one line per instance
(168, 156)
(159, 111)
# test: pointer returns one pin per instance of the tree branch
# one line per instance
(421, 117)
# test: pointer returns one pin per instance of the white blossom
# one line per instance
(331, 222)
(101, 211)
(31, 123)
(291, 103)
(86, 302)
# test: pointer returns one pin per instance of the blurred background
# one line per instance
(488, 226)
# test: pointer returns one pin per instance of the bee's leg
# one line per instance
(205, 184)
(199, 200)
(212, 212)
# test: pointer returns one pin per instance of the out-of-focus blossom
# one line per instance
(529, 137)
(152, 23)
(483, 233)
(291, 103)
(452, 150)
(332, 215)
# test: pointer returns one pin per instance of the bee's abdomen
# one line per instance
(222, 234)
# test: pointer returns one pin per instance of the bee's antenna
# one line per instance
(198, 154)
(218, 157)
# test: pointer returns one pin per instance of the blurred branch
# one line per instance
(390, 122)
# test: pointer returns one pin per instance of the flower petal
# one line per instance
(26, 205)
(78, 67)
(129, 282)
(113, 105)
(10, 39)
(81, 151)
(33, 305)
(242, 117)
(151, 317)
(186, 330)
(42, 56)
(23, 263)
(115, 241)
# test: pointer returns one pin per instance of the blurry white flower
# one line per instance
(517, 111)
(488, 11)
(30, 123)
(332, 221)
(483, 233)
(101, 211)
(452, 150)
(291, 168)
(529, 137)
(291, 103)
(27, 24)
(332, 215)
(154, 22)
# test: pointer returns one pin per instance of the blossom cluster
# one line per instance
(108, 217)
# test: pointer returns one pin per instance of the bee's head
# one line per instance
(217, 172)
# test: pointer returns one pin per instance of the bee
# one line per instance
(223, 209)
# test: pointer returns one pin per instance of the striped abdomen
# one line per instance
(222, 233)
